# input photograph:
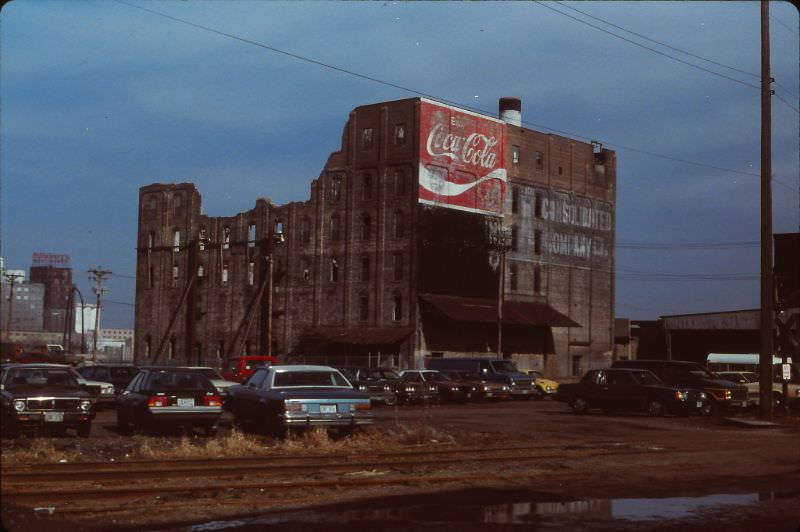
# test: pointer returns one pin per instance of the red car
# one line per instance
(239, 368)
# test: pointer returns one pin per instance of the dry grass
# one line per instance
(233, 444)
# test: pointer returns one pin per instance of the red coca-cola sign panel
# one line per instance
(461, 159)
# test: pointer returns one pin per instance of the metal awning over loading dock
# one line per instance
(454, 323)
(352, 341)
(694, 336)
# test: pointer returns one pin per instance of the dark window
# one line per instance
(514, 200)
(537, 242)
(150, 275)
(334, 270)
(560, 170)
(398, 266)
(397, 308)
(399, 224)
(202, 238)
(152, 202)
(366, 186)
(366, 227)
(177, 202)
(537, 205)
(400, 183)
(305, 230)
(365, 268)
(539, 160)
(305, 269)
(336, 188)
(151, 240)
(363, 307)
(175, 276)
(335, 230)
(366, 138)
(537, 279)
(399, 134)
(226, 237)
(515, 155)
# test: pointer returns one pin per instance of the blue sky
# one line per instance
(100, 98)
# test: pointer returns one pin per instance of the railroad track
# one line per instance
(44, 484)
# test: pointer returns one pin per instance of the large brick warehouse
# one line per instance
(396, 255)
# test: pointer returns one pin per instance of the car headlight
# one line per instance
(702, 396)
(19, 405)
(386, 389)
(548, 388)
(362, 388)
(86, 406)
(506, 388)
(108, 390)
(409, 389)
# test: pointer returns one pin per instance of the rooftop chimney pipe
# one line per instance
(511, 111)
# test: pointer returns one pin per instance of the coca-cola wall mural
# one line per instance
(461, 159)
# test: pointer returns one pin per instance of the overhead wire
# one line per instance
(443, 100)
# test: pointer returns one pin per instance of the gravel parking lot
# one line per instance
(643, 458)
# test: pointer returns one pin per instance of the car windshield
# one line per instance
(127, 373)
(646, 378)
(211, 373)
(183, 380)
(699, 371)
(384, 374)
(19, 377)
(504, 366)
(286, 379)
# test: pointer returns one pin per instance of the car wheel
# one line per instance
(84, 430)
(391, 401)
(539, 394)
(655, 408)
(210, 431)
(580, 406)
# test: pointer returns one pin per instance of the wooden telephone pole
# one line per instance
(767, 290)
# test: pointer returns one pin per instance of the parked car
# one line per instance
(44, 397)
(546, 387)
(103, 393)
(738, 377)
(160, 397)
(238, 369)
(634, 390)
(492, 369)
(120, 375)
(449, 390)
(380, 390)
(723, 395)
(407, 393)
(754, 386)
(482, 389)
(280, 398)
(220, 383)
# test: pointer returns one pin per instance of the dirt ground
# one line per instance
(660, 459)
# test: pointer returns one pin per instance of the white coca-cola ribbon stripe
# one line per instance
(433, 182)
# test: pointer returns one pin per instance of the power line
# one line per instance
(680, 50)
(779, 21)
(790, 106)
(687, 245)
(647, 47)
(757, 76)
(450, 102)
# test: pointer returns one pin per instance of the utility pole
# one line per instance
(274, 236)
(499, 244)
(97, 276)
(767, 293)
(12, 278)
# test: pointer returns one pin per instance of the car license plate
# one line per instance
(699, 404)
(185, 402)
(327, 409)
(54, 417)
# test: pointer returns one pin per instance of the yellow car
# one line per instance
(547, 387)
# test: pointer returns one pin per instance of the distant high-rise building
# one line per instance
(54, 273)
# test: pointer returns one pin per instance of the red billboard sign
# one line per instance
(461, 159)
